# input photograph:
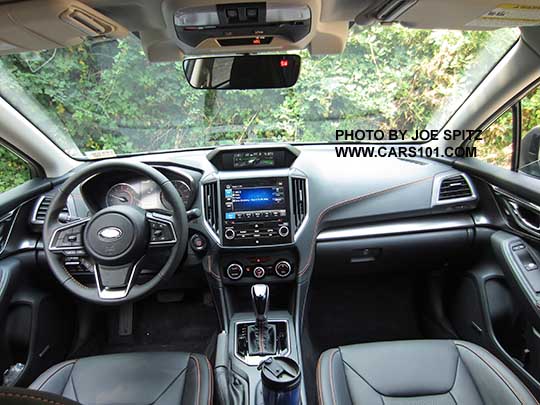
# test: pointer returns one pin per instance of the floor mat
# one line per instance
(360, 310)
(365, 309)
(189, 326)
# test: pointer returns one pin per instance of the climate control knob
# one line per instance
(283, 268)
(230, 233)
(283, 231)
(259, 272)
(235, 271)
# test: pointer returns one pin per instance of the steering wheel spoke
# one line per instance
(68, 239)
(114, 282)
(162, 230)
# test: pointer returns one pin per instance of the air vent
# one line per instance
(41, 208)
(211, 211)
(455, 187)
(299, 194)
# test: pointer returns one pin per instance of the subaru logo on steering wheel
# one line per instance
(110, 233)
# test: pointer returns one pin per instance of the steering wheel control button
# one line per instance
(235, 271)
(68, 237)
(160, 232)
(283, 268)
(283, 231)
(198, 243)
(259, 272)
(229, 234)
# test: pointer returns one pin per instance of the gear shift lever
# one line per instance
(261, 335)
(260, 294)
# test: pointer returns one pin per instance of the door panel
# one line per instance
(512, 256)
(36, 325)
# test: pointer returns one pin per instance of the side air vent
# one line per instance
(211, 211)
(41, 208)
(455, 187)
(299, 194)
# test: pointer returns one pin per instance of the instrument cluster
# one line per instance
(128, 188)
(145, 194)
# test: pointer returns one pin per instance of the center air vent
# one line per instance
(299, 194)
(211, 211)
(41, 208)
(454, 188)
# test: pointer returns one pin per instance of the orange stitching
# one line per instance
(493, 368)
(319, 378)
(25, 396)
(198, 380)
(331, 362)
(211, 374)
(345, 202)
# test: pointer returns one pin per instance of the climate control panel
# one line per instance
(278, 266)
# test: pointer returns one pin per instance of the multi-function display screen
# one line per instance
(254, 159)
(255, 201)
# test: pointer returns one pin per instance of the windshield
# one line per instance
(105, 99)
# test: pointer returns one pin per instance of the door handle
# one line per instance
(515, 209)
(525, 214)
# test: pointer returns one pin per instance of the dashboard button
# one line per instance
(283, 231)
(198, 243)
(259, 272)
(283, 268)
(235, 271)
(229, 233)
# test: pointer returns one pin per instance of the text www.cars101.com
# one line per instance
(370, 151)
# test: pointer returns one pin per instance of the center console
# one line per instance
(255, 205)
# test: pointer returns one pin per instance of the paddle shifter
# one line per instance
(261, 335)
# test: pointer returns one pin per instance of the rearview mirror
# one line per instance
(243, 72)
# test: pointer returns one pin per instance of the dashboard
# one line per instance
(263, 213)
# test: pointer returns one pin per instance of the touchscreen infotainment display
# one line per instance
(249, 200)
(256, 211)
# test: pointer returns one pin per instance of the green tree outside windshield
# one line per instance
(108, 96)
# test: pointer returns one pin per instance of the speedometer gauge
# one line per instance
(121, 194)
(183, 189)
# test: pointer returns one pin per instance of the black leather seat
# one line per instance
(163, 378)
(419, 372)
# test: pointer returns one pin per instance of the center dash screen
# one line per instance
(244, 201)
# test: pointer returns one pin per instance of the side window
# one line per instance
(530, 134)
(495, 146)
(14, 171)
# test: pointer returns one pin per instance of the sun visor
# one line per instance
(46, 24)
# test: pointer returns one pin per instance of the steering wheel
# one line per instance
(114, 241)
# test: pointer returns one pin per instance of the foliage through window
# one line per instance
(13, 170)
(530, 132)
(495, 146)
(107, 96)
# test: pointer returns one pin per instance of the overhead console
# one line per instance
(238, 24)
